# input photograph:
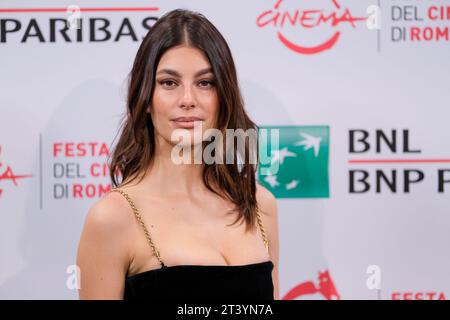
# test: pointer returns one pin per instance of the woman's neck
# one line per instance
(165, 177)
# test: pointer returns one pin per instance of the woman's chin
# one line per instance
(186, 137)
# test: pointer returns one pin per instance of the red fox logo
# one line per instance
(326, 288)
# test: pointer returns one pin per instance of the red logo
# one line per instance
(418, 295)
(326, 288)
(308, 19)
(8, 174)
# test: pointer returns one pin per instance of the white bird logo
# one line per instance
(309, 142)
(279, 155)
(292, 184)
(271, 180)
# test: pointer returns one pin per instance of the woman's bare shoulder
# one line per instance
(105, 248)
(111, 213)
(266, 200)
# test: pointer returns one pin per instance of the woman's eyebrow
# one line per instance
(170, 72)
(203, 71)
(177, 74)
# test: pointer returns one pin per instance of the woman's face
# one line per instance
(185, 93)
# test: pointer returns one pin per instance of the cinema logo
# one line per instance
(74, 24)
(392, 175)
(7, 174)
(309, 19)
(80, 170)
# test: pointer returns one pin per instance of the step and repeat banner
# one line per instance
(358, 89)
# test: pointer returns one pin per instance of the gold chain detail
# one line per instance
(141, 222)
(263, 232)
(149, 238)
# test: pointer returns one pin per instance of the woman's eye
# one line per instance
(167, 83)
(206, 83)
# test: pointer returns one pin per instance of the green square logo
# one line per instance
(298, 161)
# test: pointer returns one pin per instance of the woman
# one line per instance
(168, 230)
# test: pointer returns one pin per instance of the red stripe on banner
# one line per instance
(400, 161)
(20, 10)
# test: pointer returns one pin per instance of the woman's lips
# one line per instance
(186, 122)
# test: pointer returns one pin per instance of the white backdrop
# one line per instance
(61, 102)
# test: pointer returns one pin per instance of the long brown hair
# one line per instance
(136, 145)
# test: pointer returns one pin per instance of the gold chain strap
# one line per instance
(141, 222)
(149, 238)
(263, 232)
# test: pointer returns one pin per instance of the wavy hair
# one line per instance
(135, 147)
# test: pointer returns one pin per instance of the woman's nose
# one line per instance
(187, 99)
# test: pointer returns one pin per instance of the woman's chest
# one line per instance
(195, 234)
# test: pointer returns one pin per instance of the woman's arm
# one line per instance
(268, 205)
(103, 254)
